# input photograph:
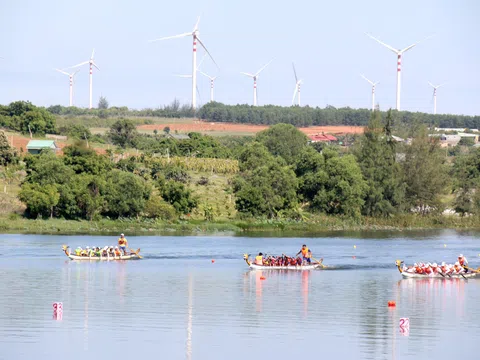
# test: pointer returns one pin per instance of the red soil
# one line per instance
(247, 128)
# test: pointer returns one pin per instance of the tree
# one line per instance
(103, 103)
(123, 133)
(377, 159)
(283, 140)
(466, 182)
(425, 172)
(40, 199)
(8, 155)
(84, 160)
(179, 196)
(166, 130)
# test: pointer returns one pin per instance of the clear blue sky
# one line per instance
(326, 41)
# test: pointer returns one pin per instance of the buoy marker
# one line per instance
(392, 304)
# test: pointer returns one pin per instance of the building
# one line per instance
(322, 138)
(178, 136)
(36, 146)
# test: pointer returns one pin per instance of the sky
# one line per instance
(325, 40)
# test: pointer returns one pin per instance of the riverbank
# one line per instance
(276, 227)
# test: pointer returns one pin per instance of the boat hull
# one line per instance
(291, 267)
(469, 275)
(103, 258)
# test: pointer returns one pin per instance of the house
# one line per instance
(447, 140)
(322, 138)
(468, 135)
(36, 146)
(178, 136)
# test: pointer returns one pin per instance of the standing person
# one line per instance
(304, 250)
(123, 243)
(259, 259)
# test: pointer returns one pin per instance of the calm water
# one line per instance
(177, 304)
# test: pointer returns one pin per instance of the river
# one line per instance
(176, 303)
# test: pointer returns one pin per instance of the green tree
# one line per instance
(39, 199)
(47, 168)
(377, 159)
(103, 103)
(85, 160)
(283, 140)
(8, 155)
(466, 182)
(179, 196)
(123, 133)
(425, 172)
(166, 130)
(157, 208)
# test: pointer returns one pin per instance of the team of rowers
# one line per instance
(285, 260)
(461, 266)
(106, 251)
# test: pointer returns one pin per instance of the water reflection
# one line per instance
(189, 317)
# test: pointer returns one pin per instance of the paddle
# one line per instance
(136, 253)
(319, 262)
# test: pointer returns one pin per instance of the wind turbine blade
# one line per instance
(184, 76)
(81, 64)
(171, 37)
(382, 43)
(431, 84)
(93, 53)
(294, 94)
(296, 79)
(441, 85)
(371, 82)
(96, 66)
(248, 74)
(63, 72)
(196, 25)
(264, 66)
(201, 61)
(201, 72)
(211, 57)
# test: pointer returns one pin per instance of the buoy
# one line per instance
(354, 257)
(213, 261)
(262, 277)
(354, 246)
(392, 304)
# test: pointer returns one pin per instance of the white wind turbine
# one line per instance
(212, 81)
(92, 64)
(71, 83)
(435, 96)
(399, 53)
(373, 90)
(195, 33)
(255, 77)
(296, 92)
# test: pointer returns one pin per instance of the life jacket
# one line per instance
(78, 252)
(121, 241)
(428, 270)
(305, 251)
(308, 255)
(461, 261)
(419, 270)
(259, 260)
(117, 252)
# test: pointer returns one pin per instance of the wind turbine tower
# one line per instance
(71, 83)
(296, 92)
(92, 63)
(195, 35)
(212, 83)
(373, 90)
(399, 53)
(255, 78)
(435, 96)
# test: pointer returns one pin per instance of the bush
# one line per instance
(179, 196)
(203, 181)
(156, 208)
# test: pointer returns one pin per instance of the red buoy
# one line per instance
(392, 304)
(262, 277)
(213, 261)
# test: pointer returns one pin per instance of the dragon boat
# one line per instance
(134, 255)
(472, 273)
(317, 265)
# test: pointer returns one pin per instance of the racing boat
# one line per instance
(408, 275)
(317, 265)
(133, 256)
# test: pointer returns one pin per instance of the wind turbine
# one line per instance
(71, 83)
(373, 90)
(212, 80)
(255, 77)
(435, 96)
(297, 87)
(195, 33)
(399, 53)
(92, 64)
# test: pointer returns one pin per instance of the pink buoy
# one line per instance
(404, 324)
(57, 311)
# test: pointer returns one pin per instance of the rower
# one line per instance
(123, 243)
(117, 251)
(259, 259)
(462, 260)
(78, 251)
(304, 250)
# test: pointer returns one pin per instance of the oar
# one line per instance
(136, 253)
(320, 263)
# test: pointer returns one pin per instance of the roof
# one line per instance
(41, 144)
(179, 136)
(322, 137)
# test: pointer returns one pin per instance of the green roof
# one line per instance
(41, 144)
